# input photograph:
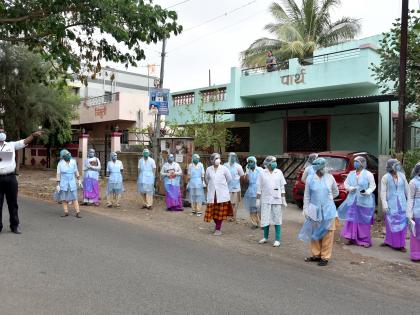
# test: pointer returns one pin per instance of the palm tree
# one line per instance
(299, 31)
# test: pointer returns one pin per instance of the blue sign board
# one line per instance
(159, 100)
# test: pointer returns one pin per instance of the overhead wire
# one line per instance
(221, 15)
(179, 3)
(215, 32)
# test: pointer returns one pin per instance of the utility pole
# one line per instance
(402, 99)
(157, 127)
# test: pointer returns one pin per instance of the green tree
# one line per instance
(74, 31)
(387, 71)
(30, 98)
(298, 31)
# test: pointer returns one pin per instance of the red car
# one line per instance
(339, 164)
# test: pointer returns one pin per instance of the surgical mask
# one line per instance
(2, 137)
(91, 154)
(170, 159)
(217, 162)
(114, 157)
(251, 165)
(273, 165)
(357, 165)
(397, 168)
(67, 157)
(195, 161)
(232, 160)
(145, 155)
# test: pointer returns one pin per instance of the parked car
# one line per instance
(339, 164)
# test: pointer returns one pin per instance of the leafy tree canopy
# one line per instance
(72, 32)
(30, 98)
(298, 31)
(387, 71)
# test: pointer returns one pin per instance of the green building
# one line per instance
(330, 102)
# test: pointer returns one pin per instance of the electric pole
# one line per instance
(157, 127)
(402, 99)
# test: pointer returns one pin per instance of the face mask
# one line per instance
(231, 160)
(67, 158)
(251, 165)
(2, 137)
(170, 160)
(91, 155)
(146, 155)
(398, 168)
(114, 158)
(357, 165)
(273, 165)
(195, 161)
(217, 162)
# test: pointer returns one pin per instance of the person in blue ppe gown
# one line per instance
(115, 186)
(251, 203)
(196, 185)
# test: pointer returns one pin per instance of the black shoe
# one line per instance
(313, 259)
(64, 215)
(78, 215)
(323, 262)
(16, 230)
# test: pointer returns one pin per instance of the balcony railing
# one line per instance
(183, 99)
(339, 55)
(213, 95)
(101, 100)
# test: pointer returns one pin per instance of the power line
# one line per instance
(215, 32)
(179, 3)
(221, 15)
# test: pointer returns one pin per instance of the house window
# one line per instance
(307, 135)
(124, 137)
(240, 141)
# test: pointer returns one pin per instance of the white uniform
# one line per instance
(271, 186)
(7, 167)
(217, 181)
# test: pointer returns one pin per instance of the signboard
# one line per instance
(158, 101)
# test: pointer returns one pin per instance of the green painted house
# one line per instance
(329, 102)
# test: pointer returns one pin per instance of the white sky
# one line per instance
(189, 58)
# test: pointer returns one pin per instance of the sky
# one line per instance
(236, 24)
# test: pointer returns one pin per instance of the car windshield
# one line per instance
(335, 164)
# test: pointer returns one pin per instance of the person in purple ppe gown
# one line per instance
(359, 207)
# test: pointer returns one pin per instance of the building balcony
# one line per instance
(118, 106)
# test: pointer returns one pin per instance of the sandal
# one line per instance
(312, 259)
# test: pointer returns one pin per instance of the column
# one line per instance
(116, 141)
(83, 150)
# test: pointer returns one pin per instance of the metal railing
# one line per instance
(339, 55)
(102, 100)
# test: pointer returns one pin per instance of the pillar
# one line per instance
(116, 142)
(83, 150)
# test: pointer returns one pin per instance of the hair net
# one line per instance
(416, 170)
(311, 158)
(251, 158)
(319, 164)
(64, 152)
(171, 156)
(214, 156)
(269, 159)
(361, 160)
(113, 154)
(196, 156)
(390, 164)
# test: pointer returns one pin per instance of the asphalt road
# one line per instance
(97, 265)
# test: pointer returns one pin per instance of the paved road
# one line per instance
(97, 265)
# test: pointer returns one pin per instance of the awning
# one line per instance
(314, 103)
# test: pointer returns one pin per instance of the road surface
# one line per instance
(98, 265)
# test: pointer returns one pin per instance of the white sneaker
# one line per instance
(263, 241)
(276, 244)
(217, 233)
